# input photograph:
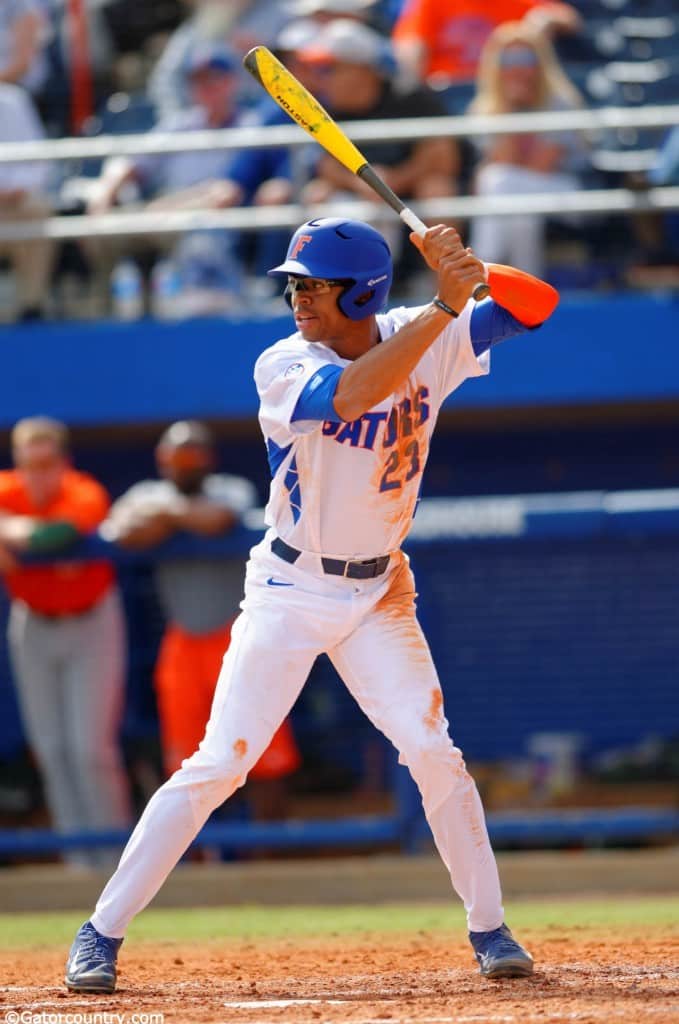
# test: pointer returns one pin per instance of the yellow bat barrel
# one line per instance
(301, 106)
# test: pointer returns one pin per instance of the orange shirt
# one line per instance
(454, 31)
(62, 588)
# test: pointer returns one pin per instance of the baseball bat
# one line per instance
(305, 109)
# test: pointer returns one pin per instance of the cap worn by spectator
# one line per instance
(212, 57)
(353, 43)
(297, 35)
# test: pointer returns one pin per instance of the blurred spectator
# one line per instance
(199, 596)
(66, 631)
(23, 197)
(189, 180)
(356, 78)
(241, 24)
(440, 41)
(182, 180)
(24, 34)
(519, 72)
(657, 232)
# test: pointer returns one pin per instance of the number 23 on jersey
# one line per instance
(406, 417)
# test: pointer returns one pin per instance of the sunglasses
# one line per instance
(314, 285)
(518, 57)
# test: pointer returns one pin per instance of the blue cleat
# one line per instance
(91, 965)
(500, 955)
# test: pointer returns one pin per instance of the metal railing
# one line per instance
(586, 202)
(276, 136)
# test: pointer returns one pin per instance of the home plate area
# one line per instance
(397, 980)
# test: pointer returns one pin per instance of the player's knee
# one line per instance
(438, 770)
(223, 769)
(210, 794)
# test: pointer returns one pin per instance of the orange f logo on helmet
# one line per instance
(299, 245)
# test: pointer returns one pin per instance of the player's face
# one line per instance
(314, 305)
(519, 75)
(186, 465)
(42, 466)
(214, 90)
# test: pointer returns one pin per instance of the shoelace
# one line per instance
(499, 943)
(98, 949)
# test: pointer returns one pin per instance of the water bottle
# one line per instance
(127, 291)
(166, 290)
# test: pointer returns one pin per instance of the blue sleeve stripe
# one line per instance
(491, 323)
(316, 400)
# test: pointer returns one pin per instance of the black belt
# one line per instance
(365, 569)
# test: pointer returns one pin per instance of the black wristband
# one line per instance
(446, 308)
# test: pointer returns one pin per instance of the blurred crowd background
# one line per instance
(99, 67)
(125, 432)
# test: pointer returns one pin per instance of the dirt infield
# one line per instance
(424, 979)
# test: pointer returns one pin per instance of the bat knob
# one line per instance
(482, 291)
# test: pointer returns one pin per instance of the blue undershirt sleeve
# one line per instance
(491, 323)
(316, 399)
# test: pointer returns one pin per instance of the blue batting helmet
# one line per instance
(346, 250)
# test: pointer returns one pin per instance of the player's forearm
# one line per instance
(116, 173)
(204, 518)
(382, 370)
(138, 536)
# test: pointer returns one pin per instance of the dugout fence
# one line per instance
(544, 612)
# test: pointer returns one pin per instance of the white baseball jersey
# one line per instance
(350, 490)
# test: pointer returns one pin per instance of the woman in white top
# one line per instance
(519, 72)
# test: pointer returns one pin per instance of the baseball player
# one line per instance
(348, 406)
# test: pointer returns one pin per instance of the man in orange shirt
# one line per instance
(66, 632)
(440, 40)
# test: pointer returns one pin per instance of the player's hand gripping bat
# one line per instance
(303, 108)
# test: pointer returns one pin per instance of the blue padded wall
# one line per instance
(568, 635)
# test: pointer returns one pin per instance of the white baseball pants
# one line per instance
(292, 613)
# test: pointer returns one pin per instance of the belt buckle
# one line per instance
(345, 573)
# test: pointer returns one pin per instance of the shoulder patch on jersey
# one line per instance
(294, 370)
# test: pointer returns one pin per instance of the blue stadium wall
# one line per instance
(591, 351)
(572, 633)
